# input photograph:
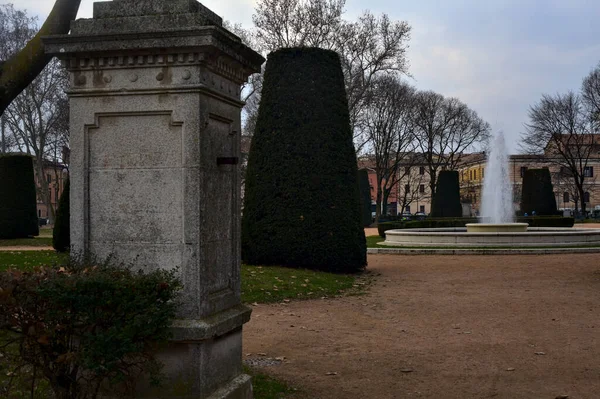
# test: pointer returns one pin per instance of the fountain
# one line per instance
(497, 233)
(497, 203)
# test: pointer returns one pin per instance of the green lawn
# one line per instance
(266, 387)
(373, 240)
(261, 284)
(43, 240)
(264, 284)
(26, 260)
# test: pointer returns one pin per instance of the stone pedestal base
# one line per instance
(203, 361)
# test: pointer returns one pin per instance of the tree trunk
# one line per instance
(44, 190)
(378, 203)
(582, 199)
(22, 68)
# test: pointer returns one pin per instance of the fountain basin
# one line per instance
(496, 227)
(535, 237)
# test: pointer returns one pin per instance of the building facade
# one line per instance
(472, 177)
(55, 176)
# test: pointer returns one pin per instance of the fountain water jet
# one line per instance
(497, 203)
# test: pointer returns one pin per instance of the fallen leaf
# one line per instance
(331, 373)
(510, 369)
(540, 353)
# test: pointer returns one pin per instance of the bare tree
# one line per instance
(387, 125)
(20, 66)
(445, 129)
(412, 186)
(563, 182)
(37, 119)
(590, 92)
(368, 47)
(298, 23)
(561, 128)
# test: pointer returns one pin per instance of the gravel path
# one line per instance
(26, 248)
(517, 327)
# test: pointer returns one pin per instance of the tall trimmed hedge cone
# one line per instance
(446, 202)
(18, 206)
(538, 193)
(61, 235)
(365, 197)
(302, 203)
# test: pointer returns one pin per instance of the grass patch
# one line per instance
(373, 240)
(267, 387)
(26, 260)
(43, 240)
(264, 284)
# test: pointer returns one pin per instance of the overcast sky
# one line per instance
(498, 56)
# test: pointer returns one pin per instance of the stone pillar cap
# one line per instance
(151, 26)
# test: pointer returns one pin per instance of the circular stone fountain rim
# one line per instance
(531, 231)
(496, 224)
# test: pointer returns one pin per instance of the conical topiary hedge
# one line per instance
(302, 203)
(18, 209)
(538, 193)
(365, 197)
(446, 202)
(61, 235)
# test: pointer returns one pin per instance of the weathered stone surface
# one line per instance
(155, 102)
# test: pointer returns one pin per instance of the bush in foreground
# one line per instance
(302, 203)
(446, 202)
(18, 209)
(61, 235)
(80, 326)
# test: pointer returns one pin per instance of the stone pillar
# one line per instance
(155, 143)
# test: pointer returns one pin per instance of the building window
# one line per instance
(470, 175)
(482, 173)
(407, 209)
(523, 170)
(566, 197)
(407, 188)
(588, 171)
(422, 208)
(475, 174)
(49, 178)
(586, 197)
(422, 170)
(422, 188)
(39, 213)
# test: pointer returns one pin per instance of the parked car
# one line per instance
(419, 216)
(42, 221)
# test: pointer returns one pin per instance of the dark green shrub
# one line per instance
(83, 325)
(302, 202)
(537, 193)
(446, 202)
(383, 227)
(547, 221)
(425, 224)
(61, 235)
(365, 197)
(440, 223)
(18, 209)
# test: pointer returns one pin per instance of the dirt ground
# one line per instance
(25, 248)
(444, 327)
